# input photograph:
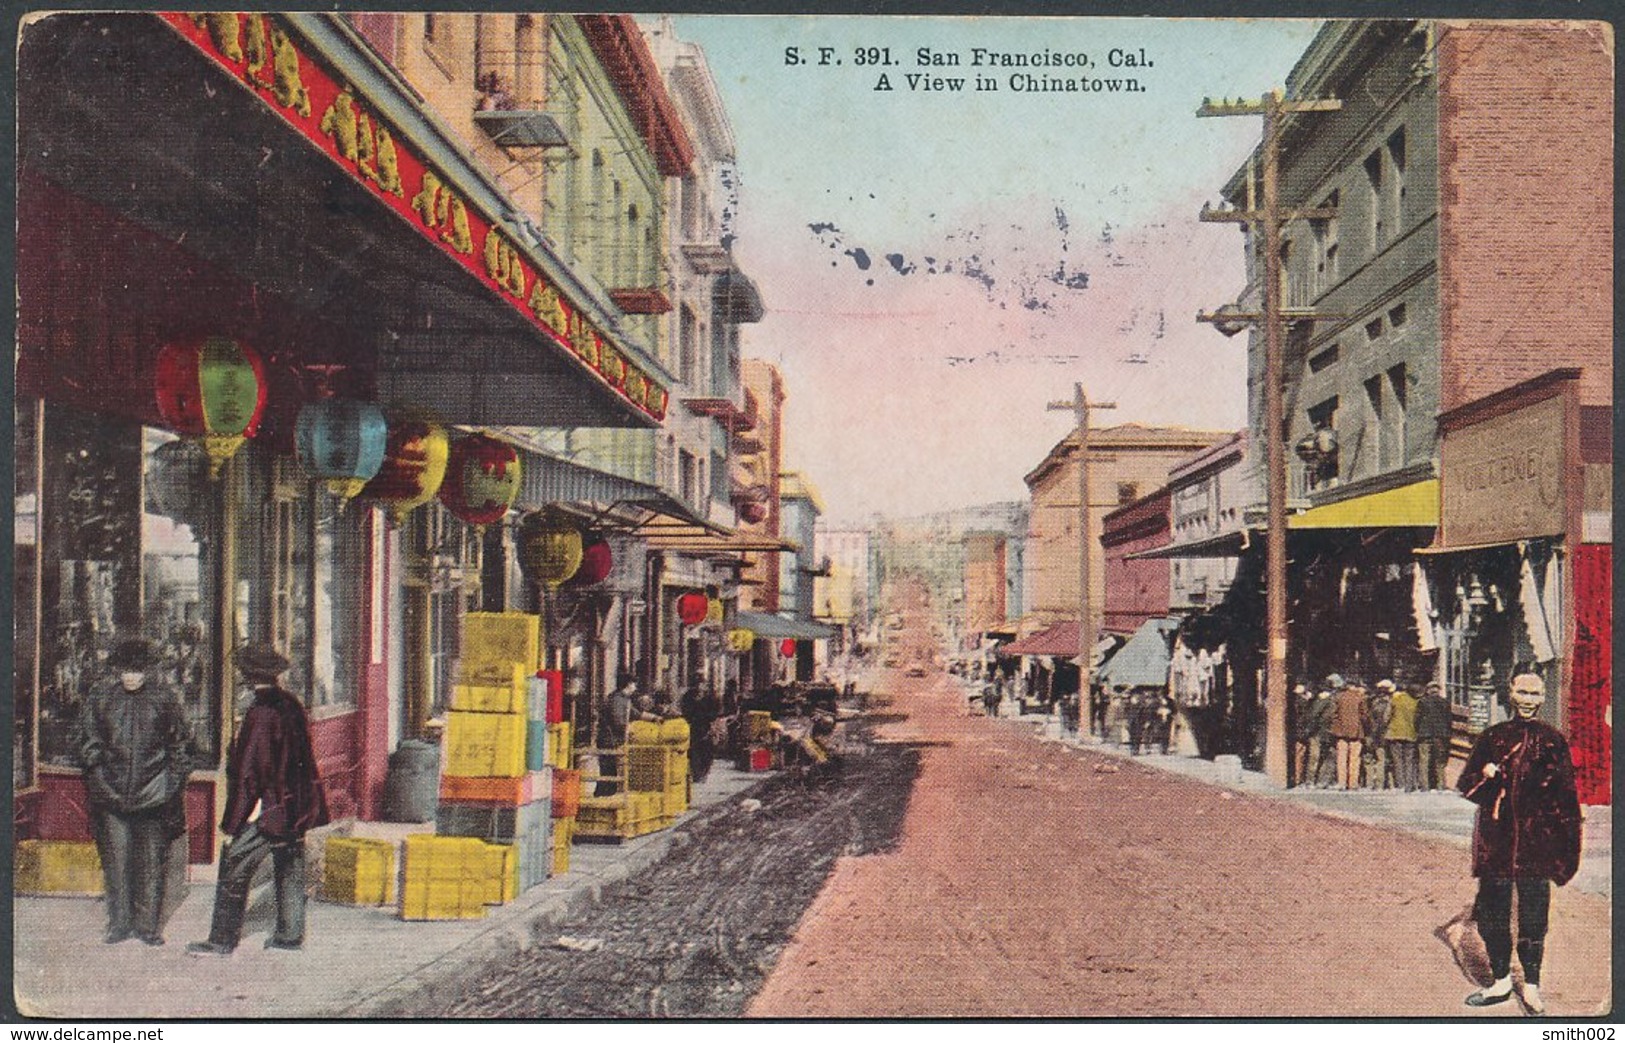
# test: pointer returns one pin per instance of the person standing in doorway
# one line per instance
(134, 747)
(1433, 735)
(613, 719)
(274, 796)
(1526, 837)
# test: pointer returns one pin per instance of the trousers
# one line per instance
(132, 847)
(1406, 764)
(1493, 911)
(242, 855)
(1437, 754)
(1348, 763)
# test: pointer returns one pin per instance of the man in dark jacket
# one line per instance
(271, 770)
(1526, 836)
(1433, 735)
(134, 747)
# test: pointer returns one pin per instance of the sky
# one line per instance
(937, 265)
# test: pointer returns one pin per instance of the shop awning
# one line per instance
(149, 118)
(777, 628)
(1058, 640)
(1143, 661)
(1414, 506)
(1219, 545)
(687, 535)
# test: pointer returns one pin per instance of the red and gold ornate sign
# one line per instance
(263, 51)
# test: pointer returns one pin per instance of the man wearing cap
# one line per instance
(273, 797)
(1526, 837)
(134, 746)
(1351, 719)
(1433, 734)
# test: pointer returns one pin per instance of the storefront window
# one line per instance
(119, 532)
(300, 571)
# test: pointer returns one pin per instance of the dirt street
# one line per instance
(1034, 879)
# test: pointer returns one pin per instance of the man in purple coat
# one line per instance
(1526, 837)
(273, 797)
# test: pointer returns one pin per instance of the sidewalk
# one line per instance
(356, 961)
(1441, 814)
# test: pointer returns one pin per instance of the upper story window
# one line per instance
(1325, 359)
(1373, 177)
(1127, 492)
(1319, 450)
(1324, 231)
(688, 339)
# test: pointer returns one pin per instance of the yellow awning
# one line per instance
(1409, 505)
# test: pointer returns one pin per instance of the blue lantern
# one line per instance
(341, 441)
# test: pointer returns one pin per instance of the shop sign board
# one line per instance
(266, 54)
(1504, 478)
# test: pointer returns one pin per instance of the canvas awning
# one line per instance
(777, 628)
(1143, 661)
(1415, 505)
(1058, 640)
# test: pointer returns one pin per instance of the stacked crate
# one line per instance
(57, 867)
(496, 783)
(358, 871)
(757, 754)
(454, 878)
(566, 804)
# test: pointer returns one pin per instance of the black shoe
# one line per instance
(277, 943)
(151, 939)
(115, 935)
(209, 949)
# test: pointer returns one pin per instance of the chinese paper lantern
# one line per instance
(596, 562)
(214, 387)
(787, 648)
(414, 465)
(713, 611)
(341, 441)
(740, 639)
(176, 482)
(753, 512)
(550, 548)
(482, 479)
(691, 609)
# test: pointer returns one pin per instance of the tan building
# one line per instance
(985, 572)
(1125, 463)
(755, 479)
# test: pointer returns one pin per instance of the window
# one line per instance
(1127, 492)
(1396, 316)
(1373, 175)
(432, 28)
(1324, 230)
(1369, 457)
(1318, 363)
(688, 336)
(1373, 329)
(692, 209)
(1398, 392)
(687, 475)
(1321, 457)
(1396, 180)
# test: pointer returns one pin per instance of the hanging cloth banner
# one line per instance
(1551, 600)
(1422, 608)
(1534, 617)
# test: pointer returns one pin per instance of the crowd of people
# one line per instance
(1347, 736)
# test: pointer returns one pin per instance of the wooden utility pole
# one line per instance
(1269, 220)
(1086, 620)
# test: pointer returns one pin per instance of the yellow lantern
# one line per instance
(550, 549)
(740, 639)
(414, 466)
(713, 611)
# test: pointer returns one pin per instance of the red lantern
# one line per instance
(214, 387)
(691, 609)
(753, 512)
(414, 466)
(482, 479)
(787, 648)
(596, 563)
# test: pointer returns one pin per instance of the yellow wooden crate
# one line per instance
(501, 690)
(490, 745)
(563, 835)
(501, 873)
(57, 867)
(560, 745)
(758, 725)
(358, 871)
(444, 878)
(501, 637)
(654, 767)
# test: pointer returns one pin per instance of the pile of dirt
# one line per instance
(695, 935)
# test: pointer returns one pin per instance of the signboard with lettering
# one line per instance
(1503, 479)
